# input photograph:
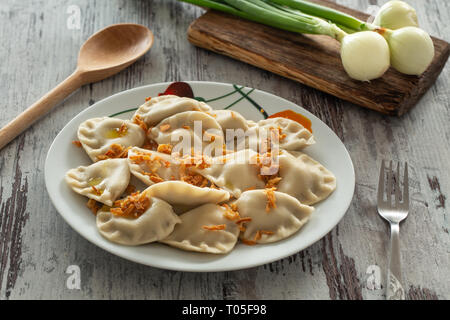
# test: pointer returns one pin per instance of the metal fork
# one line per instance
(394, 212)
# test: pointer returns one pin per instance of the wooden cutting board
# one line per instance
(313, 60)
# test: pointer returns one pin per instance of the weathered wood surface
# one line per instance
(37, 246)
(313, 60)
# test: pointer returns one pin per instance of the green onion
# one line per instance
(330, 14)
(364, 55)
(411, 49)
(220, 6)
(266, 13)
(395, 15)
(269, 18)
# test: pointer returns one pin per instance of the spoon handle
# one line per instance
(39, 108)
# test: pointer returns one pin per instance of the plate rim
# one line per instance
(151, 263)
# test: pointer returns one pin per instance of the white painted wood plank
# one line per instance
(38, 51)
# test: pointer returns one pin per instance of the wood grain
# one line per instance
(313, 60)
(105, 53)
(20, 123)
(37, 245)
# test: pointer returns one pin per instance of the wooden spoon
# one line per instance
(105, 53)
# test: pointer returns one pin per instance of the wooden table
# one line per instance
(39, 46)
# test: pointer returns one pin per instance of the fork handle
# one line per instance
(394, 288)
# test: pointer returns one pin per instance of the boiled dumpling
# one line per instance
(187, 130)
(272, 215)
(290, 134)
(234, 126)
(204, 229)
(301, 177)
(151, 166)
(229, 119)
(157, 109)
(235, 172)
(185, 194)
(155, 167)
(304, 178)
(293, 136)
(103, 181)
(97, 135)
(251, 123)
(156, 223)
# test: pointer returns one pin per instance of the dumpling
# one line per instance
(190, 129)
(234, 172)
(155, 167)
(251, 123)
(290, 134)
(304, 178)
(301, 177)
(234, 126)
(272, 215)
(185, 194)
(151, 166)
(155, 223)
(205, 229)
(103, 181)
(229, 119)
(157, 109)
(97, 135)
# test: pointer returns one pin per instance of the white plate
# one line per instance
(328, 150)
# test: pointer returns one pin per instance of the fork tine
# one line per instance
(397, 185)
(405, 199)
(389, 184)
(381, 183)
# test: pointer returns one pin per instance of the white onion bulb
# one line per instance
(412, 50)
(395, 15)
(365, 55)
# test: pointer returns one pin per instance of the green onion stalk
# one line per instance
(364, 55)
(411, 48)
(265, 13)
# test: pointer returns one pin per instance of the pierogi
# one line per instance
(204, 196)
(102, 181)
(97, 135)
